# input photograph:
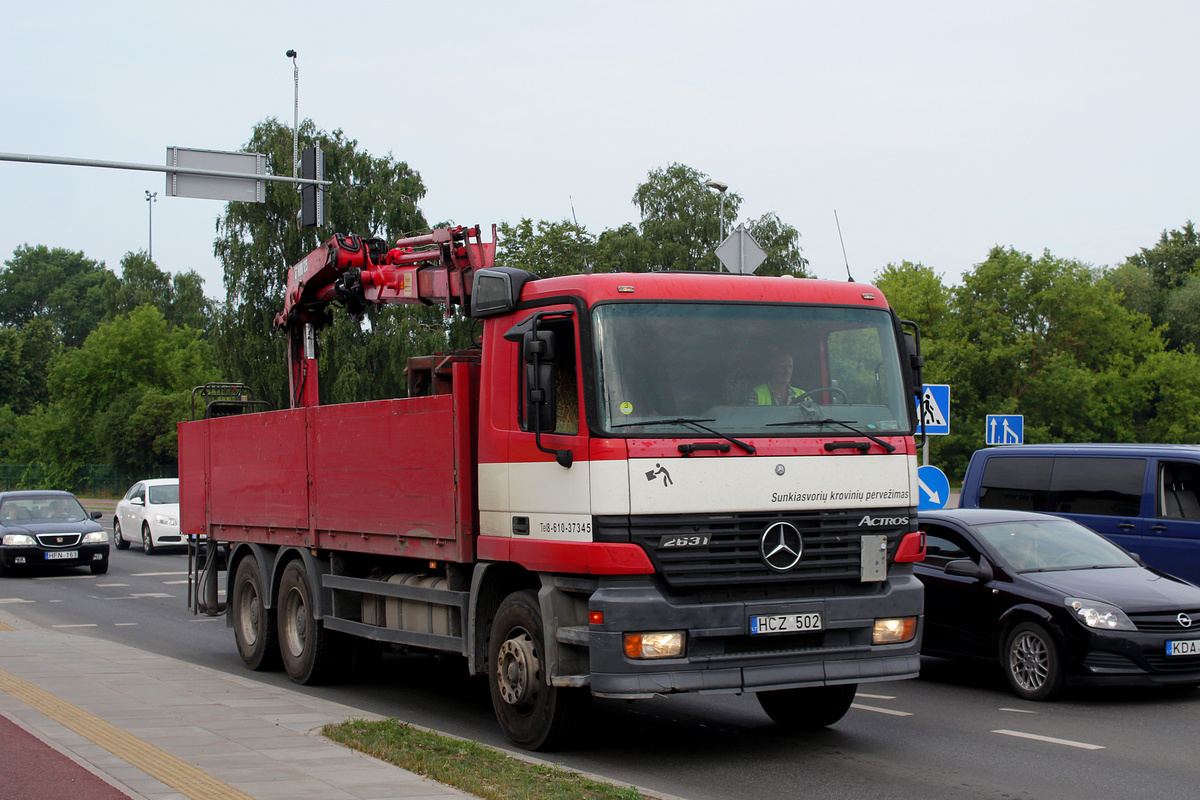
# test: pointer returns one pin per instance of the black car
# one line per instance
(1054, 602)
(46, 528)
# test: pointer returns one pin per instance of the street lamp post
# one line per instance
(295, 114)
(151, 199)
(720, 187)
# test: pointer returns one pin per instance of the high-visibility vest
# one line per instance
(765, 398)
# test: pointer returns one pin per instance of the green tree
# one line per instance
(180, 298)
(258, 242)
(918, 294)
(547, 249)
(62, 286)
(782, 245)
(25, 356)
(681, 217)
(1172, 259)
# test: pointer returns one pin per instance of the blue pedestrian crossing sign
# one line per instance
(933, 488)
(933, 408)
(1004, 429)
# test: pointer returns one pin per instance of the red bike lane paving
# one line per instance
(30, 769)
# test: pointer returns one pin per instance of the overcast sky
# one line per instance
(935, 129)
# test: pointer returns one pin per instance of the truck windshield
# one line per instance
(748, 370)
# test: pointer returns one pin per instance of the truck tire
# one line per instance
(311, 654)
(807, 709)
(531, 712)
(253, 624)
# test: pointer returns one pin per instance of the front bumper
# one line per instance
(19, 557)
(1128, 658)
(723, 657)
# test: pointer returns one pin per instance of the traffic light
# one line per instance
(312, 196)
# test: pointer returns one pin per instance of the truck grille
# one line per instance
(832, 546)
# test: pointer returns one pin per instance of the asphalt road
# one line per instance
(954, 733)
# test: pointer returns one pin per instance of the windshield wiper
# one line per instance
(694, 422)
(891, 448)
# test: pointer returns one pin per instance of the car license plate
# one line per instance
(785, 623)
(1184, 647)
(55, 555)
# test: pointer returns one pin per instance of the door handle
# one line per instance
(1158, 527)
(1128, 525)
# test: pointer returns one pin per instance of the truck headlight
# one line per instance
(894, 631)
(19, 540)
(95, 537)
(654, 645)
(1095, 614)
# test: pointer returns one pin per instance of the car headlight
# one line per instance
(1095, 614)
(19, 539)
(163, 519)
(95, 537)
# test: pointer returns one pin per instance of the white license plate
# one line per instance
(785, 623)
(55, 555)
(1184, 647)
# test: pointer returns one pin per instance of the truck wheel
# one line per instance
(311, 654)
(147, 540)
(121, 542)
(253, 624)
(1031, 662)
(531, 712)
(808, 709)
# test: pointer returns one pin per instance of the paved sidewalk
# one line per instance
(119, 721)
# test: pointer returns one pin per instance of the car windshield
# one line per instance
(748, 369)
(1029, 545)
(53, 508)
(164, 495)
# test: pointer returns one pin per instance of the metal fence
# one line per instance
(89, 480)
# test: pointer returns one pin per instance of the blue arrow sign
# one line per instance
(1004, 429)
(933, 488)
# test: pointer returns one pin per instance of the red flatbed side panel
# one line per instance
(384, 477)
(192, 489)
(257, 475)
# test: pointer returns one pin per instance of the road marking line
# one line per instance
(1019, 710)
(81, 625)
(158, 764)
(154, 574)
(123, 624)
(881, 710)
(4, 626)
(112, 584)
(63, 577)
(1052, 740)
(173, 583)
(15, 600)
(877, 696)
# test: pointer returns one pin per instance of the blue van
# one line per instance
(1141, 496)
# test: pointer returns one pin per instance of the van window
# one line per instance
(1177, 491)
(1106, 486)
(1019, 483)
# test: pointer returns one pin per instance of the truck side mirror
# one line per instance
(539, 352)
(912, 348)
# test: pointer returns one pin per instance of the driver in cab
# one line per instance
(778, 390)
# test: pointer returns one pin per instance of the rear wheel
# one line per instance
(1032, 663)
(147, 540)
(311, 654)
(807, 709)
(118, 538)
(253, 624)
(532, 713)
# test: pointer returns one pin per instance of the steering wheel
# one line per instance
(833, 390)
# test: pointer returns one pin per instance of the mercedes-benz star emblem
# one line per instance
(1184, 620)
(781, 546)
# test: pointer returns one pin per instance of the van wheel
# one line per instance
(807, 709)
(311, 654)
(1032, 663)
(531, 712)
(253, 623)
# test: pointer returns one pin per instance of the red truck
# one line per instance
(593, 501)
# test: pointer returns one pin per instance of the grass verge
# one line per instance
(470, 766)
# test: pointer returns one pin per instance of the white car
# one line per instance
(149, 511)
